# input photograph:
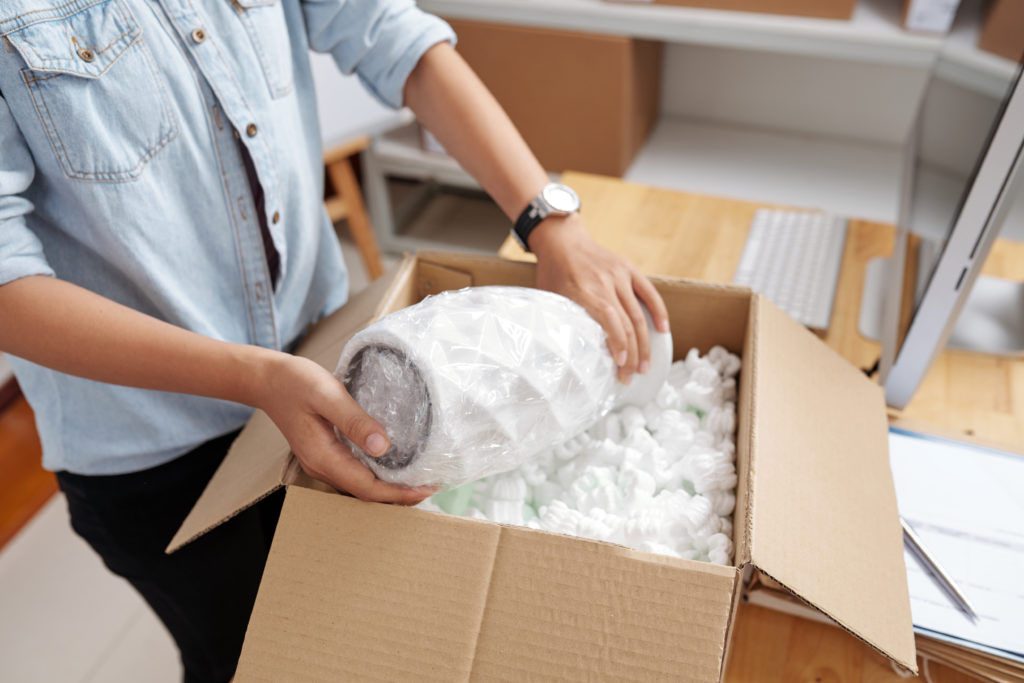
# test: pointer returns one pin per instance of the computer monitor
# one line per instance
(931, 286)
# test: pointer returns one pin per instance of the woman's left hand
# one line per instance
(608, 286)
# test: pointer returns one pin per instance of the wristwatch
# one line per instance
(555, 199)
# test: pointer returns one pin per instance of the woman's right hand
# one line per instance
(306, 402)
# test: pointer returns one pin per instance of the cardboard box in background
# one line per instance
(1003, 29)
(364, 591)
(581, 101)
(826, 9)
(929, 16)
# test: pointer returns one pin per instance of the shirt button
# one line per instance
(251, 130)
(198, 35)
(276, 217)
(86, 54)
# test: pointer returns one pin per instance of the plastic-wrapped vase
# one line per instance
(475, 382)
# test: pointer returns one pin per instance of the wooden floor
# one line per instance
(24, 485)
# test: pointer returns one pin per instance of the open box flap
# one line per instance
(442, 270)
(258, 461)
(364, 591)
(821, 507)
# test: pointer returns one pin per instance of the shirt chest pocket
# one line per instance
(97, 91)
(265, 22)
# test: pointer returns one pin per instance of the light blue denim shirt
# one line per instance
(121, 171)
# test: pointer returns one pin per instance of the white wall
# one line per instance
(345, 107)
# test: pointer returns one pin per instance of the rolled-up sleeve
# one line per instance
(379, 40)
(21, 253)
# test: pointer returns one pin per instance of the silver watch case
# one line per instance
(555, 199)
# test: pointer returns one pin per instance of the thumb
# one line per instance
(354, 422)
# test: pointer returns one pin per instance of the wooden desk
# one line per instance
(695, 236)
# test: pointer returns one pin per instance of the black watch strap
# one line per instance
(529, 219)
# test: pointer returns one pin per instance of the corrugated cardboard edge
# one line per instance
(227, 495)
(908, 663)
(180, 540)
(230, 491)
(746, 406)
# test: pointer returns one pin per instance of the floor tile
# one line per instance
(144, 651)
(62, 609)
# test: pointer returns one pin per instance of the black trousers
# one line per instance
(204, 592)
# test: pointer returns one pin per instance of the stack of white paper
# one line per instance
(967, 504)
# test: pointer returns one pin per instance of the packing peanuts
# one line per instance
(660, 477)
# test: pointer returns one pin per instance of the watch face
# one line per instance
(561, 198)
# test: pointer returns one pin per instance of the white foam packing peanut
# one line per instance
(660, 478)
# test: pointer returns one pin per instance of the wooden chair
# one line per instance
(346, 201)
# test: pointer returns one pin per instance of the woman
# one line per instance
(163, 244)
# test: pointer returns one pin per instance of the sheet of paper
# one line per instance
(967, 505)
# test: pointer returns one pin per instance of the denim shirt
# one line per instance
(122, 171)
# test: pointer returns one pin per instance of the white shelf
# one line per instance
(845, 177)
(873, 35)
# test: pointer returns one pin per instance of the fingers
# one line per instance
(308, 408)
(630, 338)
(338, 406)
(611, 319)
(331, 462)
(639, 324)
(646, 292)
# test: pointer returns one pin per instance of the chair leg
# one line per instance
(344, 180)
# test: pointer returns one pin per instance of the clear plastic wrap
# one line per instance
(475, 382)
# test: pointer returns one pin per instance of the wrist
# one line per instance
(254, 368)
(556, 232)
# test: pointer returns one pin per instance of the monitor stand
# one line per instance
(992, 319)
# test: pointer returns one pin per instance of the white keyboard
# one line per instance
(793, 258)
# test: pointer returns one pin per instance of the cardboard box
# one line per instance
(581, 101)
(1003, 29)
(826, 9)
(364, 591)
